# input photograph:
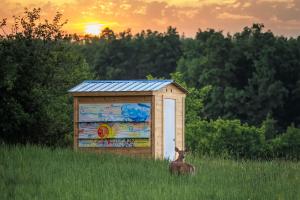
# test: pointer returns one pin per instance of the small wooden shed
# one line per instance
(139, 117)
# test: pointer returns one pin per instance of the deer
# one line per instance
(179, 167)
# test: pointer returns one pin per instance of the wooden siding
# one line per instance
(153, 114)
(183, 122)
(178, 95)
(158, 121)
(75, 120)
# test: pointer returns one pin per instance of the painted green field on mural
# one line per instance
(42, 173)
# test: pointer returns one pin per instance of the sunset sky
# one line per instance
(281, 16)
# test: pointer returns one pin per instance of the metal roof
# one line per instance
(122, 85)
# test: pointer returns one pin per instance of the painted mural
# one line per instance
(103, 130)
(116, 112)
(114, 125)
(115, 143)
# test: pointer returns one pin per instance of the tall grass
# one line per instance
(32, 172)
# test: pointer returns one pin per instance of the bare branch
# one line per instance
(3, 24)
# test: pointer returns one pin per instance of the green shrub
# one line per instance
(225, 137)
(287, 145)
(231, 138)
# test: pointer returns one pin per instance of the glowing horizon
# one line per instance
(93, 28)
(280, 16)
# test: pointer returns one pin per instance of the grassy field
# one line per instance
(41, 173)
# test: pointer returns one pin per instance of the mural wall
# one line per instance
(114, 125)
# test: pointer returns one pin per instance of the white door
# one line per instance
(169, 129)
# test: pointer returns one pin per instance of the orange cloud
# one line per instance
(188, 16)
(195, 3)
(226, 15)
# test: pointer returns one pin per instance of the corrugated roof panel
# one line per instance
(139, 86)
(107, 87)
(99, 85)
(112, 86)
(122, 85)
(77, 87)
(158, 86)
(118, 86)
(86, 87)
(130, 88)
(149, 86)
(102, 86)
(145, 86)
(95, 85)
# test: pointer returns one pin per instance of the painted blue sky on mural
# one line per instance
(136, 112)
(126, 112)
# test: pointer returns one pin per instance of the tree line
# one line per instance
(242, 86)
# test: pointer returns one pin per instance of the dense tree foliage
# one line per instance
(244, 88)
(127, 56)
(252, 74)
(38, 66)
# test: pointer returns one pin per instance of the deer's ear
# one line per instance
(176, 149)
(186, 150)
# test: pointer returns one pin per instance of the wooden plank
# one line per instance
(162, 130)
(153, 129)
(179, 110)
(158, 117)
(158, 127)
(169, 90)
(75, 124)
(176, 89)
(183, 122)
(178, 123)
(173, 90)
(172, 96)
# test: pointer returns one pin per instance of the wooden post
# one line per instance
(162, 129)
(183, 122)
(153, 126)
(75, 119)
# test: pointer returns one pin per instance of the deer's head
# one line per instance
(181, 154)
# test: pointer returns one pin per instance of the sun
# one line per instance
(93, 28)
